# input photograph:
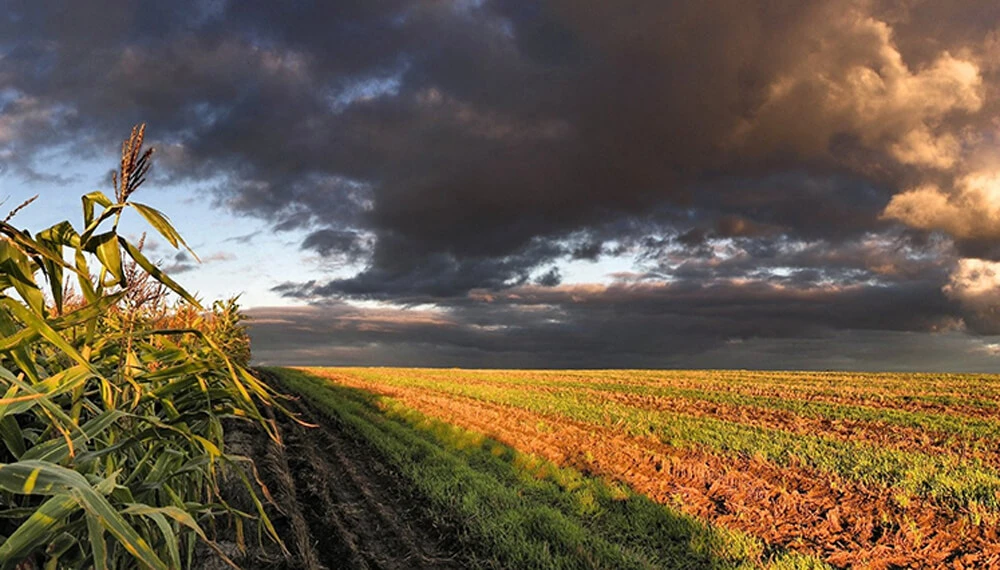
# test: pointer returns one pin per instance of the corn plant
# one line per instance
(223, 325)
(111, 437)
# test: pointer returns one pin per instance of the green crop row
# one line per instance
(950, 480)
(958, 425)
(525, 512)
(963, 426)
(875, 383)
(875, 390)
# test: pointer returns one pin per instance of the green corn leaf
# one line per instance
(177, 385)
(56, 450)
(13, 437)
(39, 528)
(157, 516)
(163, 226)
(83, 277)
(180, 371)
(60, 383)
(38, 324)
(95, 197)
(179, 515)
(16, 342)
(39, 478)
(105, 246)
(24, 241)
(97, 543)
(108, 213)
(43, 478)
(156, 273)
(61, 234)
(54, 239)
(86, 313)
(32, 295)
(57, 548)
(19, 339)
(53, 411)
(19, 270)
(54, 274)
(98, 506)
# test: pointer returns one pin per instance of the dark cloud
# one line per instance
(550, 278)
(446, 147)
(243, 239)
(346, 245)
(590, 250)
(400, 269)
(178, 268)
(630, 325)
(181, 262)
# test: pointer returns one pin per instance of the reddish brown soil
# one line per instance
(907, 400)
(846, 395)
(882, 434)
(847, 524)
(876, 433)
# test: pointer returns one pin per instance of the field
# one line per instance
(700, 469)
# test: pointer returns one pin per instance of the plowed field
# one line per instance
(860, 471)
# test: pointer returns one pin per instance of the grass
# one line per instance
(522, 511)
(953, 481)
(881, 389)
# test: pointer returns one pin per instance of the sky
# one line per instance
(565, 183)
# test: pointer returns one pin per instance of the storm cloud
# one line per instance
(769, 170)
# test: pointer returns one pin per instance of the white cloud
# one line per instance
(975, 281)
(975, 284)
(971, 209)
(856, 81)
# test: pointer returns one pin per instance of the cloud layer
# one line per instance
(768, 169)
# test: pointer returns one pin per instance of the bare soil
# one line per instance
(336, 505)
(847, 524)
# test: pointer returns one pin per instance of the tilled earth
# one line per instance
(339, 506)
(336, 505)
(848, 524)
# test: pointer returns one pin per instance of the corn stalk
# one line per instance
(111, 437)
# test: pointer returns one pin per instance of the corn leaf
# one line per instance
(64, 381)
(38, 324)
(106, 247)
(95, 197)
(43, 478)
(156, 273)
(163, 226)
(98, 545)
(56, 450)
(157, 516)
(13, 437)
(19, 270)
(39, 528)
